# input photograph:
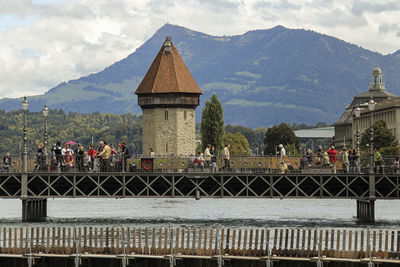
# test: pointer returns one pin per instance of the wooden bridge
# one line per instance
(172, 245)
(35, 188)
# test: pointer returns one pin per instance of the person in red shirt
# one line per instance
(92, 154)
(332, 157)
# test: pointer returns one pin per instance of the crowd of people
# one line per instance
(209, 158)
(105, 159)
(350, 160)
(328, 159)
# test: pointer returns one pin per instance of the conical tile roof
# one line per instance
(168, 74)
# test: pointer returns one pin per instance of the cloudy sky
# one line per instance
(46, 42)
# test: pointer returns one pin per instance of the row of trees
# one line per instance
(64, 127)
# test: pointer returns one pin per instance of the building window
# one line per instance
(166, 147)
(185, 115)
(166, 115)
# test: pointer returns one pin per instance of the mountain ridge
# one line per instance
(280, 74)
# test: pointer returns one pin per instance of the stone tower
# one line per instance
(168, 96)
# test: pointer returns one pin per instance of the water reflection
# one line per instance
(205, 212)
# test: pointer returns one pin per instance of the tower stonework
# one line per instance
(168, 96)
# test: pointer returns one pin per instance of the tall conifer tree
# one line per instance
(212, 124)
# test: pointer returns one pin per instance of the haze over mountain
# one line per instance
(262, 77)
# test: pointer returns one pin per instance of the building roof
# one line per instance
(347, 116)
(324, 132)
(375, 94)
(385, 104)
(168, 74)
(376, 91)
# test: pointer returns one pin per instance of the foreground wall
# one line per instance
(51, 262)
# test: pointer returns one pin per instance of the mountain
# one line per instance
(396, 54)
(262, 77)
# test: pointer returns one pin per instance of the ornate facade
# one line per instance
(347, 125)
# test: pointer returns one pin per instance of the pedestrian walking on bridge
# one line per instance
(226, 155)
(332, 152)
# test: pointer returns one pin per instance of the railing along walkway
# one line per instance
(185, 164)
(356, 245)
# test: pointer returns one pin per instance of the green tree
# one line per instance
(247, 132)
(239, 144)
(279, 134)
(212, 124)
(255, 137)
(383, 138)
(291, 150)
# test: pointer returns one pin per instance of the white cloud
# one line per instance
(46, 42)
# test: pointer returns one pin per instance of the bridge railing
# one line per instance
(353, 243)
(241, 164)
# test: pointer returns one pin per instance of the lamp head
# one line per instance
(45, 111)
(25, 104)
(371, 104)
(357, 111)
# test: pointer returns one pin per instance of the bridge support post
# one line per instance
(366, 210)
(34, 210)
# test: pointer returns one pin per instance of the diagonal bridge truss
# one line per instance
(179, 185)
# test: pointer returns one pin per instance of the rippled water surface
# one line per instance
(204, 212)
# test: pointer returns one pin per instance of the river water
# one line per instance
(155, 212)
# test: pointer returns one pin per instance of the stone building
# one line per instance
(346, 128)
(387, 110)
(168, 96)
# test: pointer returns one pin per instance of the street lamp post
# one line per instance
(357, 112)
(25, 106)
(45, 115)
(371, 204)
(371, 107)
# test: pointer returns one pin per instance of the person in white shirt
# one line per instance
(198, 161)
(282, 152)
(284, 160)
(65, 149)
(152, 153)
(207, 155)
(227, 157)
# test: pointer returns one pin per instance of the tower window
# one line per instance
(166, 115)
(166, 147)
(185, 115)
